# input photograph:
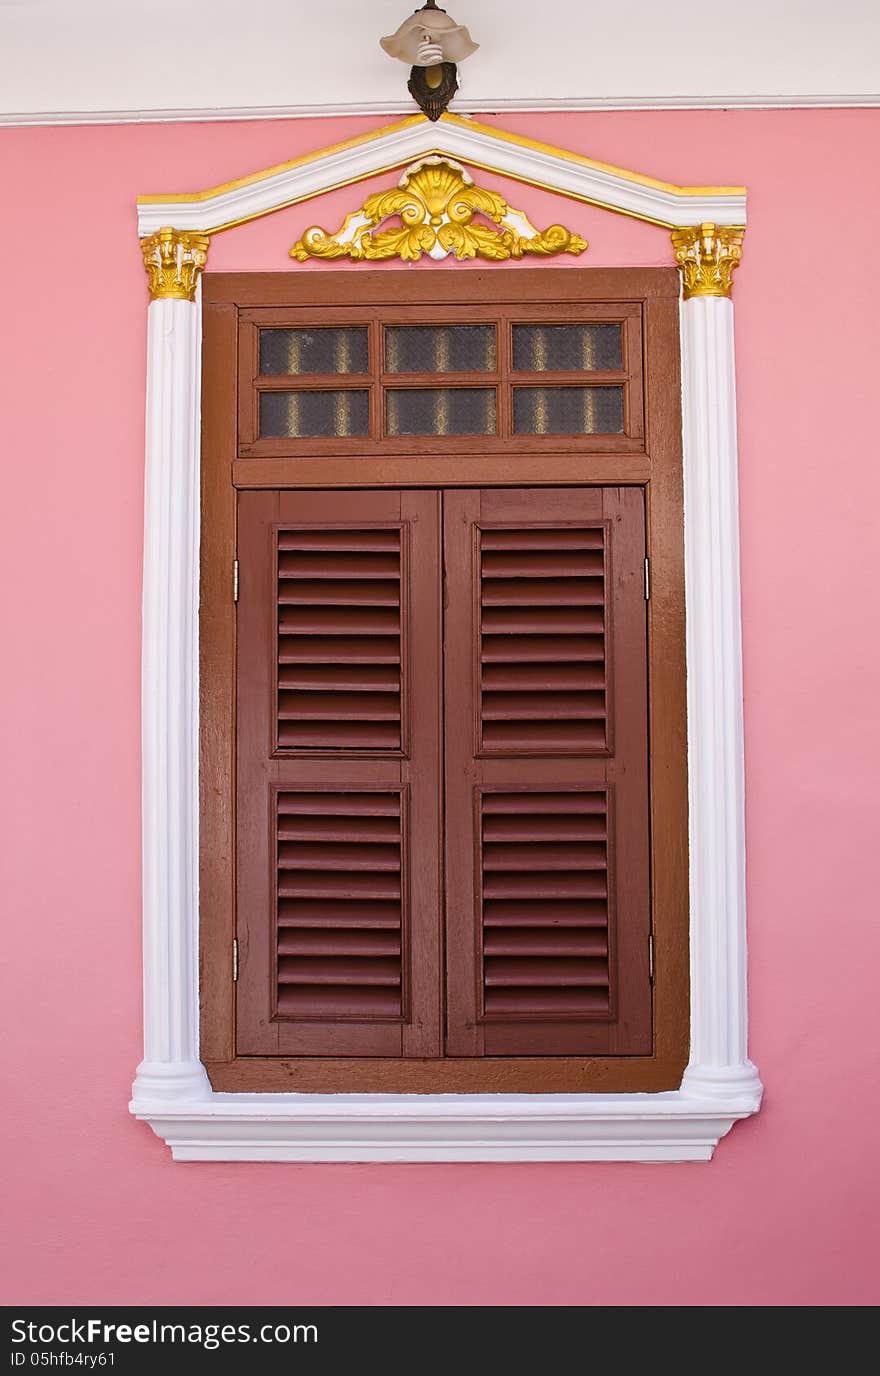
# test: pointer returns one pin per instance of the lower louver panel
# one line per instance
(339, 904)
(545, 905)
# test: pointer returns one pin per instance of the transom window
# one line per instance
(508, 379)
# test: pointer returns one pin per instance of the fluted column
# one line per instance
(171, 1069)
(719, 1064)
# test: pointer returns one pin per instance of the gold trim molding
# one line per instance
(707, 256)
(173, 259)
(436, 201)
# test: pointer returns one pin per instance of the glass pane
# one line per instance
(440, 349)
(440, 411)
(321, 350)
(303, 414)
(566, 348)
(568, 410)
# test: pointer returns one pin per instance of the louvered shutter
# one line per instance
(547, 888)
(338, 775)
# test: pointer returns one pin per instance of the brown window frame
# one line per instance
(647, 457)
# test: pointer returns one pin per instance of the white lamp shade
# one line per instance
(429, 26)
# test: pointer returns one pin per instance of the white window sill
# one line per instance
(677, 1126)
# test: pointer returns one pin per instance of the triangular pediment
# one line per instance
(477, 145)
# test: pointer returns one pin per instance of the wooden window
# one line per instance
(443, 798)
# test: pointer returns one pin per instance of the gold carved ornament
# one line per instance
(436, 201)
(707, 256)
(173, 259)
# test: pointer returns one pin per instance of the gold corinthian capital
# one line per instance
(173, 259)
(707, 256)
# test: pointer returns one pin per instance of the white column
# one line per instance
(719, 1063)
(170, 1069)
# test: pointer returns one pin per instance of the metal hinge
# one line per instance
(651, 957)
(235, 960)
(647, 580)
(235, 580)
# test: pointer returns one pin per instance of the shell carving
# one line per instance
(436, 202)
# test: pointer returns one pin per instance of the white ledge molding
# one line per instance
(720, 1085)
(776, 100)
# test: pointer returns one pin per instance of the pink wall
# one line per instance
(787, 1212)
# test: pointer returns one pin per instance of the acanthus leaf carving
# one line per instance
(174, 259)
(436, 201)
(707, 256)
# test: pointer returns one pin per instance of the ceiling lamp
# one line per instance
(432, 43)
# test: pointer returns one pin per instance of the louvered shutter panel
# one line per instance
(339, 908)
(545, 902)
(339, 639)
(542, 644)
(548, 902)
(338, 816)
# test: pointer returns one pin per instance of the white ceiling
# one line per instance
(94, 58)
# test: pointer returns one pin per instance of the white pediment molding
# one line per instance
(553, 169)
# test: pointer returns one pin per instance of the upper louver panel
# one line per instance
(339, 639)
(542, 640)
